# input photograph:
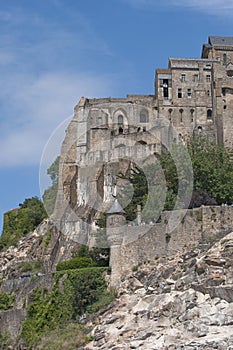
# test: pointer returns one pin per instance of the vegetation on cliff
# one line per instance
(22, 220)
(74, 293)
(212, 180)
(6, 301)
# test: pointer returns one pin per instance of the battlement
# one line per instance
(196, 228)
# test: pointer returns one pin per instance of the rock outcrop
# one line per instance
(184, 302)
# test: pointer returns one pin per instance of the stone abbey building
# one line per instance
(197, 94)
(192, 95)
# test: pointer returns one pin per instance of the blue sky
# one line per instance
(52, 52)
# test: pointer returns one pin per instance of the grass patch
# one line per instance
(199, 215)
(75, 263)
(30, 266)
(71, 336)
(5, 341)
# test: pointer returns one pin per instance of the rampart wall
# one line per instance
(198, 227)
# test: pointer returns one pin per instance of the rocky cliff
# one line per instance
(183, 301)
(180, 302)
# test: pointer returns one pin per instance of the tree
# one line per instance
(212, 168)
(145, 187)
(201, 176)
(21, 221)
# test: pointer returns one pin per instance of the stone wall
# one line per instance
(200, 226)
(106, 130)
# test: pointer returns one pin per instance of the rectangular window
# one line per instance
(179, 93)
(183, 78)
(208, 78)
(189, 93)
(195, 78)
(165, 89)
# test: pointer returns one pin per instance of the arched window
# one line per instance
(181, 115)
(224, 59)
(143, 117)
(192, 114)
(170, 114)
(209, 114)
(120, 119)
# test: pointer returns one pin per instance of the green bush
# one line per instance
(99, 256)
(74, 263)
(6, 301)
(73, 293)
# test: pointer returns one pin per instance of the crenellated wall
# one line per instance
(199, 227)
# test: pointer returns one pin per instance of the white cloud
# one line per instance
(38, 106)
(207, 5)
(40, 84)
(217, 7)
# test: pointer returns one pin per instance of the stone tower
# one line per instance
(116, 222)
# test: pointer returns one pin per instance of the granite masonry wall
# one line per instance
(198, 227)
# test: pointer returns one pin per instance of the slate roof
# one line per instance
(116, 208)
(221, 40)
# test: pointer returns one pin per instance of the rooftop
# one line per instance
(221, 40)
(116, 208)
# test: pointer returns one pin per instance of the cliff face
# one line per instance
(26, 266)
(180, 302)
(172, 302)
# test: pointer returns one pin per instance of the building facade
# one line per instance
(106, 135)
